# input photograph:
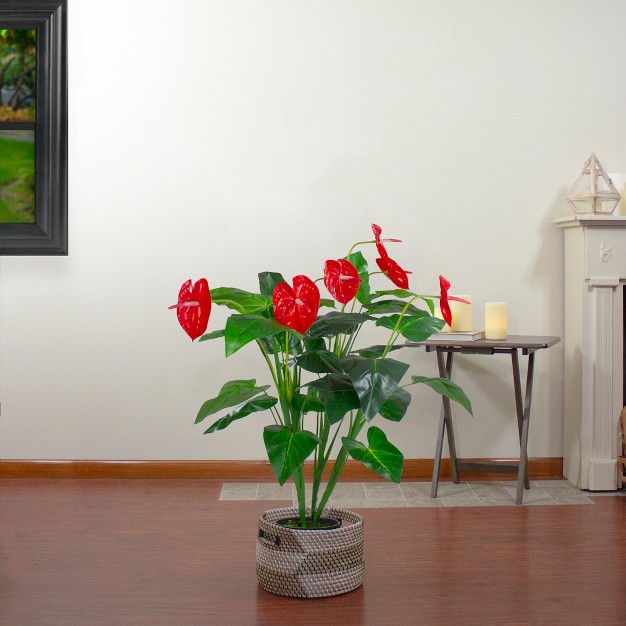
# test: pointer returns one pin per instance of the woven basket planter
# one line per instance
(310, 563)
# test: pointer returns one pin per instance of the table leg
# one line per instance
(445, 425)
(522, 477)
(517, 385)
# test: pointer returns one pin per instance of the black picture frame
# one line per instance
(48, 234)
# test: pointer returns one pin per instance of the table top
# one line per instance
(512, 342)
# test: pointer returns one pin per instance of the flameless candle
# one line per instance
(495, 320)
(461, 314)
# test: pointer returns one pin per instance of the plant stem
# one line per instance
(298, 477)
(342, 457)
(395, 332)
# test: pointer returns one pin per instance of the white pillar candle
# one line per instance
(439, 314)
(461, 314)
(495, 320)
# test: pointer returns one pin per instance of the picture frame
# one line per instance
(45, 232)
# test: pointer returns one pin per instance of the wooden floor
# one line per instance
(156, 552)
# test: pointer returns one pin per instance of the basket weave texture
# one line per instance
(305, 563)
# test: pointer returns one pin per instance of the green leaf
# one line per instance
(430, 305)
(380, 456)
(327, 302)
(315, 344)
(267, 282)
(447, 388)
(335, 323)
(242, 410)
(214, 335)
(242, 329)
(239, 300)
(331, 382)
(310, 402)
(398, 293)
(277, 342)
(339, 402)
(320, 362)
(287, 450)
(374, 380)
(395, 407)
(232, 393)
(412, 327)
(360, 263)
(392, 306)
(374, 352)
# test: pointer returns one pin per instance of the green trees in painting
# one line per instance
(17, 176)
(17, 75)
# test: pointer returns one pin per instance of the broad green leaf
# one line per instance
(327, 302)
(239, 300)
(335, 323)
(394, 408)
(214, 335)
(339, 402)
(398, 293)
(447, 388)
(319, 362)
(374, 352)
(270, 342)
(380, 456)
(242, 329)
(242, 410)
(374, 380)
(287, 450)
(360, 263)
(232, 393)
(315, 344)
(307, 403)
(331, 382)
(412, 327)
(392, 306)
(267, 282)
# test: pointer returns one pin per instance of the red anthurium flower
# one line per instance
(194, 307)
(444, 283)
(377, 233)
(394, 272)
(341, 279)
(296, 307)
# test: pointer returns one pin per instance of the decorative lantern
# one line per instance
(593, 191)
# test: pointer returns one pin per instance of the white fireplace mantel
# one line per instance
(595, 275)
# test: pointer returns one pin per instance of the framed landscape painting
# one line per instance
(33, 127)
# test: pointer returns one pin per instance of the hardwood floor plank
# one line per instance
(168, 552)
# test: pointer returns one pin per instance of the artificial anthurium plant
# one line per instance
(326, 390)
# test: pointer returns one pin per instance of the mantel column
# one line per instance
(595, 273)
(600, 438)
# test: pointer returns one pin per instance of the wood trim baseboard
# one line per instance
(414, 469)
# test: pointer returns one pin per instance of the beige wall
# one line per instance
(218, 139)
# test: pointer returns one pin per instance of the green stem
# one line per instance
(300, 490)
(395, 333)
(340, 462)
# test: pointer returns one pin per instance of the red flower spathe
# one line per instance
(394, 272)
(341, 279)
(194, 307)
(444, 284)
(296, 307)
(387, 265)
